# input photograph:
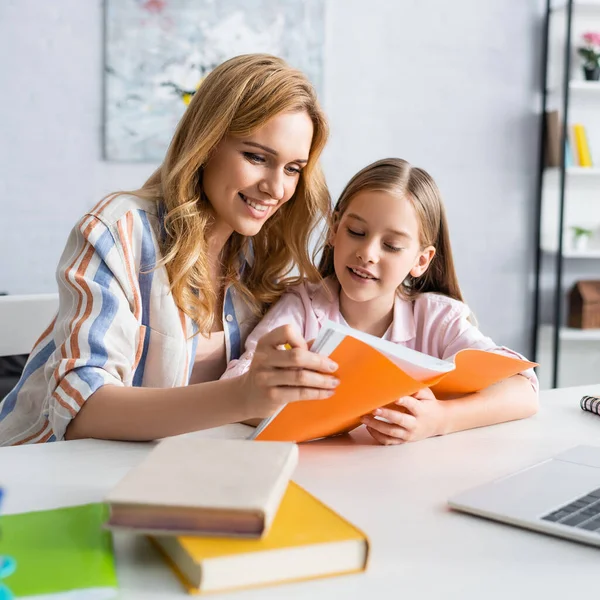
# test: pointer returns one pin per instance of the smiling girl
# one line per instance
(388, 271)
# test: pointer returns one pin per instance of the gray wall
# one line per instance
(449, 86)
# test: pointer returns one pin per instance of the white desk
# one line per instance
(397, 495)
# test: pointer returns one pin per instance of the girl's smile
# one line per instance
(362, 275)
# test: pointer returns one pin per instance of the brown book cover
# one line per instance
(553, 138)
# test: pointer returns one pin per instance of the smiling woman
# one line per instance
(249, 178)
(161, 285)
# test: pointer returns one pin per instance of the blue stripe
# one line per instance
(108, 310)
(148, 263)
(52, 438)
(104, 245)
(90, 376)
(233, 327)
(194, 348)
(139, 372)
(36, 362)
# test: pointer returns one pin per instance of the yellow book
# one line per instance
(583, 149)
(307, 540)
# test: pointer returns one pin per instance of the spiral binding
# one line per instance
(590, 404)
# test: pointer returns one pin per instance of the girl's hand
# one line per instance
(277, 376)
(412, 418)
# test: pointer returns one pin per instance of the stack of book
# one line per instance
(226, 516)
(577, 148)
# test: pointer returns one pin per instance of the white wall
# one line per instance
(449, 86)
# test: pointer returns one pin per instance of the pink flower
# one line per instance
(591, 38)
(154, 6)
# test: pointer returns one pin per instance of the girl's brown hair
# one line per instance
(236, 98)
(398, 177)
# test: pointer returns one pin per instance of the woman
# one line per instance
(159, 287)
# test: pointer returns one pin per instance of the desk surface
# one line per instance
(397, 495)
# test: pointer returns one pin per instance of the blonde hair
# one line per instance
(398, 177)
(236, 98)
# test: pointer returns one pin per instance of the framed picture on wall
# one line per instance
(158, 51)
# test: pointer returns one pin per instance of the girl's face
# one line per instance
(376, 245)
(248, 179)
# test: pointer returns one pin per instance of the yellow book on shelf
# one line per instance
(307, 540)
(583, 149)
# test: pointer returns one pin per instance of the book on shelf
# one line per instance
(209, 486)
(375, 372)
(307, 540)
(573, 146)
(582, 145)
(554, 138)
(568, 154)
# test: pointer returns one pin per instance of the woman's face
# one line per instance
(247, 179)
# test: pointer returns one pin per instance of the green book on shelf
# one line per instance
(60, 550)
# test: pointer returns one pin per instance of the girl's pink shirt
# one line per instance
(431, 323)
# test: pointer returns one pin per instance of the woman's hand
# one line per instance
(277, 376)
(411, 418)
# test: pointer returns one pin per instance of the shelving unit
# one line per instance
(567, 197)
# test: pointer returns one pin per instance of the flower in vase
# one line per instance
(590, 51)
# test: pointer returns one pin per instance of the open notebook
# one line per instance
(375, 372)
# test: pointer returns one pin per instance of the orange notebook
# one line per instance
(308, 540)
(374, 372)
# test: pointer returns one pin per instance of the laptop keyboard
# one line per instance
(583, 513)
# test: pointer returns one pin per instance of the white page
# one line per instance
(416, 364)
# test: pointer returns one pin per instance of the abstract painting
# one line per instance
(158, 51)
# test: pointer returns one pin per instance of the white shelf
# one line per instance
(578, 85)
(576, 171)
(576, 335)
(575, 254)
(578, 4)
(579, 254)
(569, 334)
(581, 85)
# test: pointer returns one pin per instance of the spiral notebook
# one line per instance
(590, 404)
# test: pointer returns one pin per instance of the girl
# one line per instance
(389, 271)
(159, 287)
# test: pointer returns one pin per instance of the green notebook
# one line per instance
(58, 550)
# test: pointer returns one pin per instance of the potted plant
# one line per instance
(590, 52)
(581, 237)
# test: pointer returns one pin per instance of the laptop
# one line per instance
(559, 496)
